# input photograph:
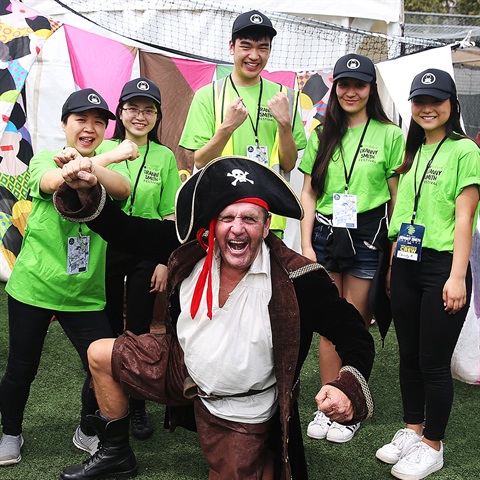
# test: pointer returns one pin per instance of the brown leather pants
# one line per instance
(233, 450)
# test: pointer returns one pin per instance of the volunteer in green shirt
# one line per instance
(60, 270)
(154, 183)
(348, 193)
(431, 281)
(244, 114)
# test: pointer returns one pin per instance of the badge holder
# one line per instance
(344, 210)
(78, 252)
(258, 153)
(409, 242)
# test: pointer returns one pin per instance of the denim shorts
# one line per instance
(365, 260)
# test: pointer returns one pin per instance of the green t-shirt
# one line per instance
(381, 153)
(154, 194)
(200, 125)
(39, 276)
(455, 166)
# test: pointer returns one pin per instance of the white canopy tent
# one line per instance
(384, 16)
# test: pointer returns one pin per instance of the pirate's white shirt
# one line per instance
(232, 353)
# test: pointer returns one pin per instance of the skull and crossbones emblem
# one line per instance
(239, 176)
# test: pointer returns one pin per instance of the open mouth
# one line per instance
(237, 245)
(86, 141)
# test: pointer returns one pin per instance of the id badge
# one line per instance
(409, 242)
(260, 154)
(77, 254)
(344, 210)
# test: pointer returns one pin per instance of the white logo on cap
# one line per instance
(428, 78)
(353, 64)
(256, 18)
(239, 176)
(92, 98)
(143, 85)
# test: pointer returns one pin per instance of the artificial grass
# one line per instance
(52, 415)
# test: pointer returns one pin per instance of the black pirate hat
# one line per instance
(224, 181)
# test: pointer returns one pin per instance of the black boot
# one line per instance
(142, 428)
(114, 457)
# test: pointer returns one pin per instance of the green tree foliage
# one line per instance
(468, 7)
(460, 7)
(428, 6)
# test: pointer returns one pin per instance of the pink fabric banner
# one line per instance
(289, 79)
(197, 74)
(106, 71)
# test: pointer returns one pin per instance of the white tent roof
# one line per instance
(388, 11)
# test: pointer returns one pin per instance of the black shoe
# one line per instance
(114, 457)
(142, 428)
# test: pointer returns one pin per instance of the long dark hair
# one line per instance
(119, 133)
(333, 129)
(416, 135)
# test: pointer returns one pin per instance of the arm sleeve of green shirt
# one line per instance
(39, 164)
(200, 124)
(468, 167)
(396, 149)
(310, 154)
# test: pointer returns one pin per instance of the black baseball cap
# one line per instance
(434, 82)
(140, 87)
(356, 66)
(86, 99)
(253, 18)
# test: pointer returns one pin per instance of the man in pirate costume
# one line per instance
(237, 287)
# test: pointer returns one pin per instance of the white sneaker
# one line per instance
(338, 433)
(319, 426)
(87, 443)
(419, 462)
(10, 446)
(402, 441)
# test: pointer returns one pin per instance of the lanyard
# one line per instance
(255, 127)
(429, 164)
(134, 191)
(349, 175)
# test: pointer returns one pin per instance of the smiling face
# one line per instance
(249, 57)
(84, 131)
(240, 230)
(353, 97)
(138, 115)
(431, 114)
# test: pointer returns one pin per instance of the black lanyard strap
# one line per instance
(254, 126)
(349, 175)
(429, 164)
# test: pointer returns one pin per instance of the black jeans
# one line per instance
(139, 304)
(427, 336)
(28, 327)
(139, 301)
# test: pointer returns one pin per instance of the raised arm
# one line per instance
(82, 199)
(235, 115)
(287, 149)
